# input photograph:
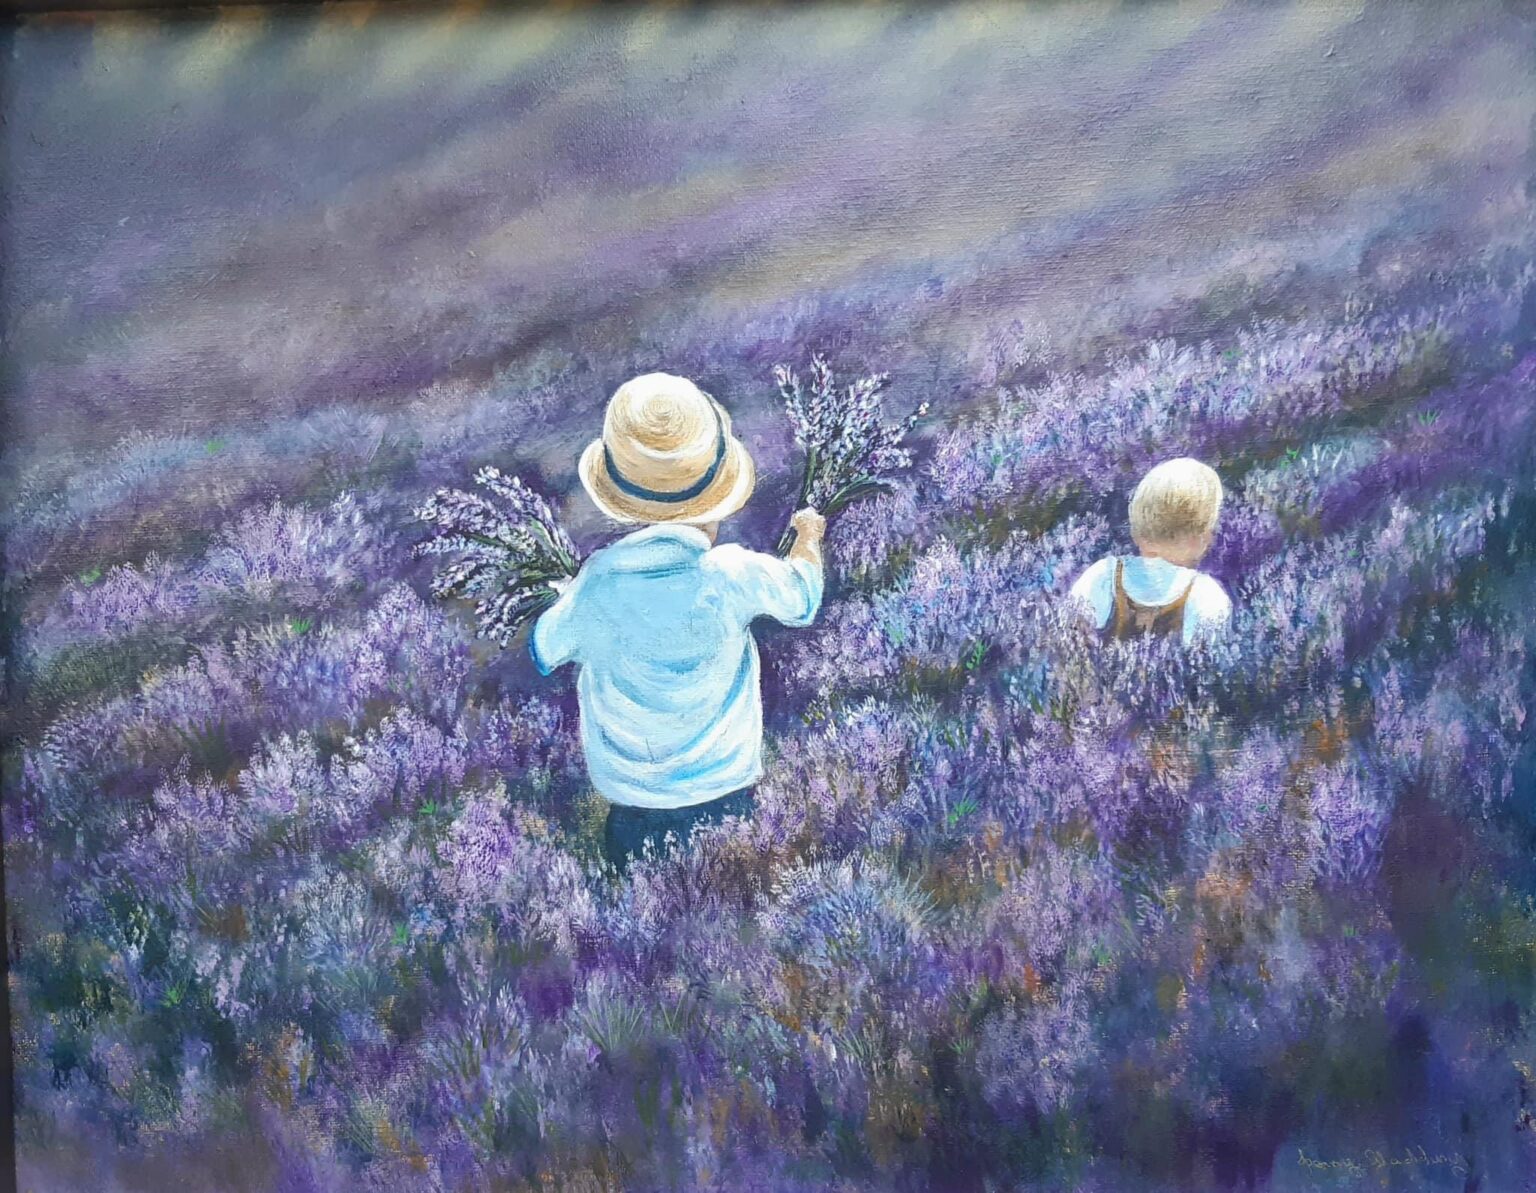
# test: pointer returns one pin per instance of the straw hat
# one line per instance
(666, 455)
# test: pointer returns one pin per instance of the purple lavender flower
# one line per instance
(849, 451)
(510, 549)
(998, 874)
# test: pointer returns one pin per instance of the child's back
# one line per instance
(1159, 591)
(1130, 596)
(659, 624)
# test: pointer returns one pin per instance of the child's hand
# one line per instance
(808, 525)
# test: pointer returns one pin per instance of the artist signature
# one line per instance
(1374, 1162)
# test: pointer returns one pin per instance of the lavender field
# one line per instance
(303, 880)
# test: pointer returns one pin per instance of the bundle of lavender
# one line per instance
(511, 551)
(849, 452)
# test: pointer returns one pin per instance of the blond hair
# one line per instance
(1179, 499)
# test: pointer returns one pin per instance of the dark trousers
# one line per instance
(627, 829)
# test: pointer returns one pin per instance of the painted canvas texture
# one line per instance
(1090, 443)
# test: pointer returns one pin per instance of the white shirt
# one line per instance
(1154, 582)
(668, 689)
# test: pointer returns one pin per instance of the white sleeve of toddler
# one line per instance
(554, 639)
(1209, 609)
(1093, 592)
(787, 590)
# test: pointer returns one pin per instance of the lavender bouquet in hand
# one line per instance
(849, 452)
(511, 551)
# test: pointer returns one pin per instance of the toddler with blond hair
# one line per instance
(1159, 590)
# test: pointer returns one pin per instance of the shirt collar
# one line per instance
(676, 531)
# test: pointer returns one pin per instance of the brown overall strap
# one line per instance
(1120, 619)
(1172, 614)
(1179, 601)
(1132, 618)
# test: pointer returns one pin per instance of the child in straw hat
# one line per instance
(658, 622)
(1159, 591)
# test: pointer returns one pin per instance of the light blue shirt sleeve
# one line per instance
(787, 590)
(555, 638)
(1094, 592)
(1209, 610)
